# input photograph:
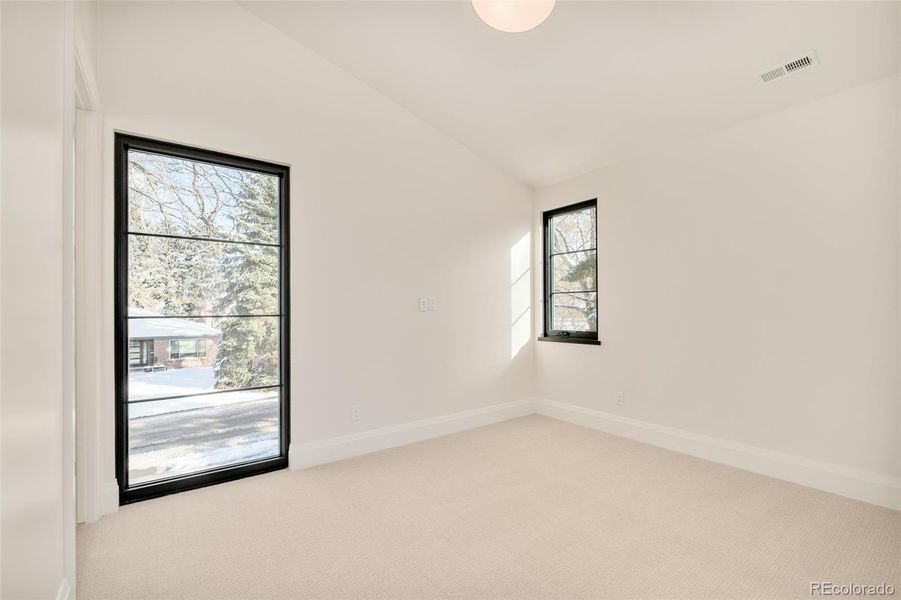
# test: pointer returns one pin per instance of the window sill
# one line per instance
(569, 340)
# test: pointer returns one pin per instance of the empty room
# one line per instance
(450, 299)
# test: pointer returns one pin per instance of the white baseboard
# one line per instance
(860, 485)
(65, 590)
(103, 499)
(869, 487)
(302, 456)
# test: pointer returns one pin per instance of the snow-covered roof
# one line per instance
(165, 327)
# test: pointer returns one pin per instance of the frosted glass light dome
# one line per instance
(513, 16)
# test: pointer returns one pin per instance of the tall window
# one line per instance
(570, 274)
(201, 317)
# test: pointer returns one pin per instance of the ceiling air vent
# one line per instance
(788, 67)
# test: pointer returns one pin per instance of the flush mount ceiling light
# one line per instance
(513, 16)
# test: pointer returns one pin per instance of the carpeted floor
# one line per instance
(530, 508)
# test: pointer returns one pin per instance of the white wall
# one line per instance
(36, 440)
(749, 285)
(384, 209)
(86, 28)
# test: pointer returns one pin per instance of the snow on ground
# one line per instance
(187, 442)
(163, 407)
(171, 382)
(174, 382)
(151, 466)
(187, 435)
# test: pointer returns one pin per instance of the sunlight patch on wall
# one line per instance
(520, 295)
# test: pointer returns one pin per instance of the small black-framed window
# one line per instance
(571, 274)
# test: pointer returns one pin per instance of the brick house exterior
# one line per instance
(170, 343)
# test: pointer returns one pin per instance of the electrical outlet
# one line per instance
(355, 412)
(620, 399)
(423, 305)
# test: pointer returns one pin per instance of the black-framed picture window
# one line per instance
(570, 273)
(202, 377)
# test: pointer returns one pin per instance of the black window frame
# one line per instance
(123, 144)
(561, 335)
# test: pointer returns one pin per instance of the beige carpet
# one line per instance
(530, 508)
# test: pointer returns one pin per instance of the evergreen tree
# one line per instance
(196, 277)
(249, 348)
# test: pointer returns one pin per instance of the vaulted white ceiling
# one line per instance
(598, 82)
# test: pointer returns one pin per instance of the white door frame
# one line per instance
(97, 493)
